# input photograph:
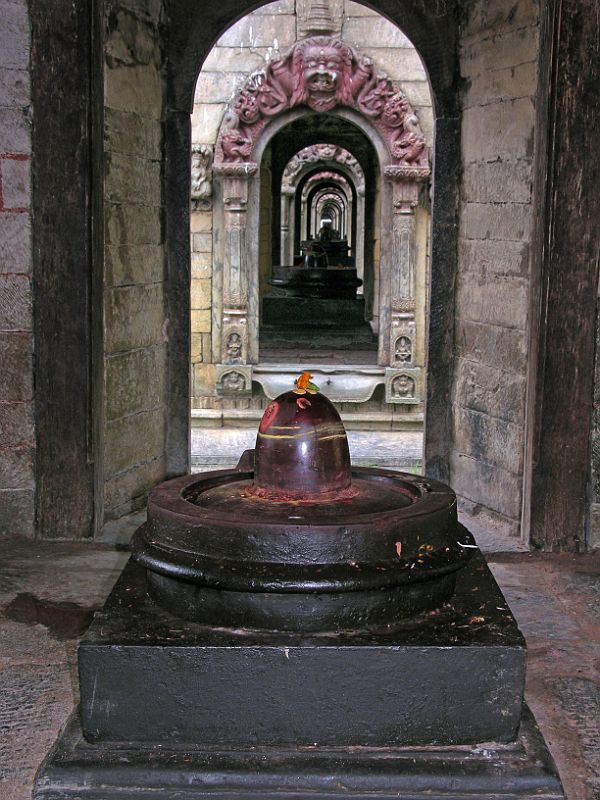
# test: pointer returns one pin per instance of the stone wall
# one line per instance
(499, 64)
(135, 328)
(17, 439)
(243, 48)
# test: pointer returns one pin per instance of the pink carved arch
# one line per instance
(322, 73)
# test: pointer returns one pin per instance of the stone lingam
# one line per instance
(301, 628)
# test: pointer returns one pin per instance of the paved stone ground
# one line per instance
(213, 447)
(48, 592)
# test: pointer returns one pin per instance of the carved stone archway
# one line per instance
(319, 74)
(322, 182)
(337, 160)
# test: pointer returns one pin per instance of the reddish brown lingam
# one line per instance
(301, 449)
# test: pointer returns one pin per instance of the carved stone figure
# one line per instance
(403, 386)
(322, 72)
(234, 345)
(201, 189)
(403, 349)
(234, 382)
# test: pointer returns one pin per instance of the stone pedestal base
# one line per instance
(313, 312)
(173, 709)
(76, 770)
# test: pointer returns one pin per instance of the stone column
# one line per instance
(402, 373)
(233, 372)
(286, 241)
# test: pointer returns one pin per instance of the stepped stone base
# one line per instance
(77, 770)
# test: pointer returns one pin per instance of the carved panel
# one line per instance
(321, 73)
(234, 381)
(403, 342)
(201, 189)
(402, 385)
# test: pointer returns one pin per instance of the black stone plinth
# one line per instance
(313, 312)
(453, 676)
(77, 770)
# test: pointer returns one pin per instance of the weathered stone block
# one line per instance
(500, 130)
(17, 512)
(493, 299)
(133, 440)
(126, 264)
(15, 37)
(131, 133)
(494, 16)
(15, 234)
(15, 131)
(133, 317)
(218, 87)
(508, 222)
(201, 321)
(490, 390)
(16, 182)
(206, 120)
(15, 303)
(133, 383)
(419, 94)
(488, 439)
(503, 84)
(132, 179)
(486, 484)
(14, 87)
(201, 294)
(16, 467)
(197, 348)
(234, 59)
(201, 222)
(204, 379)
(398, 65)
(493, 256)
(137, 89)
(133, 224)
(246, 32)
(133, 41)
(484, 518)
(377, 32)
(201, 265)
(506, 50)
(16, 424)
(492, 345)
(17, 369)
(128, 486)
(503, 181)
(202, 242)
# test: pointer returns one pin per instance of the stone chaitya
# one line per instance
(298, 628)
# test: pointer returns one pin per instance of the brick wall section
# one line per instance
(17, 437)
(134, 318)
(499, 63)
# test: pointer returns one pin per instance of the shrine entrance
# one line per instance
(310, 228)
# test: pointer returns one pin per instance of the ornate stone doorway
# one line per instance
(320, 78)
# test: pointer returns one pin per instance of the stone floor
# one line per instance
(220, 448)
(49, 591)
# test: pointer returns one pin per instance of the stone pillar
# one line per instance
(233, 372)
(286, 237)
(402, 373)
